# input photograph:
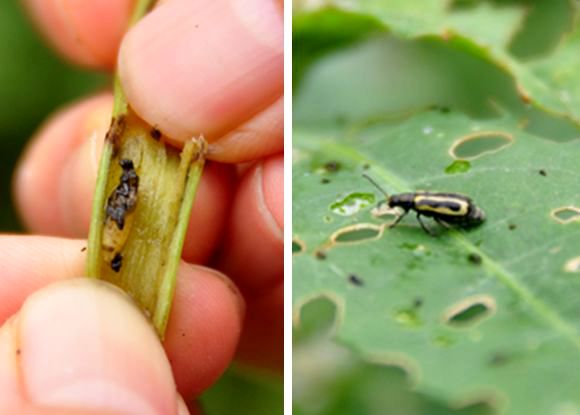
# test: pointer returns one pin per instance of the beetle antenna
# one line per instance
(370, 179)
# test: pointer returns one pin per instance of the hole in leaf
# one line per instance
(566, 214)
(297, 246)
(470, 311)
(382, 211)
(476, 145)
(467, 315)
(316, 315)
(352, 203)
(573, 265)
(356, 233)
(458, 166)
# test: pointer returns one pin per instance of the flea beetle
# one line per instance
(445, 208)
(119, 215)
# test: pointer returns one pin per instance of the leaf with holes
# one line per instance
(330, 379)
(489, 314)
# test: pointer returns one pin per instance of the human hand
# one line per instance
(231, 90)
(81, 346)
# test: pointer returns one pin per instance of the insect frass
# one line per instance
(119, 214)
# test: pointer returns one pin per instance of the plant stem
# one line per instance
(143, 197)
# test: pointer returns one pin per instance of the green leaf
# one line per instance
(559, 73)
(453, 58)
(488, 314)
(484, 23)
(545, 24)
(321, 32)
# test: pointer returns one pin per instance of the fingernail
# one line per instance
(85, 345)
(214, 63)
(271, 193)
(261, 136)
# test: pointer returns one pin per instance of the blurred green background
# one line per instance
(34, 82)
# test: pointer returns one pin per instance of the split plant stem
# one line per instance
(142, 204)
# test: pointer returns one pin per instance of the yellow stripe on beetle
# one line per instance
(444, 205)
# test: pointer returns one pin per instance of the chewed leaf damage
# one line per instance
(566, 214)
(473, 146)
(572, 265)
(356, 233)
(470, 311)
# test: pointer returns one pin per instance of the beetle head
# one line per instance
(403, 200)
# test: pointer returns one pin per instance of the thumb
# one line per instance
(81, 344)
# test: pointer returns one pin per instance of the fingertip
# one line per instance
(61, 166)
(260, 137)
(253, 253)
(230, 69)
(202, 335)
(262, 341)
(37, 179)
(86, 32)
(209, 212)
(32, 262)
(204, 327)
(83, 343)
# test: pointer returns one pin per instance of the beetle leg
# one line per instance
(399, 218)
(425, 228)
(440, 222)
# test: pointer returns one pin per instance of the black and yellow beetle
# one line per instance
(445, 208)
